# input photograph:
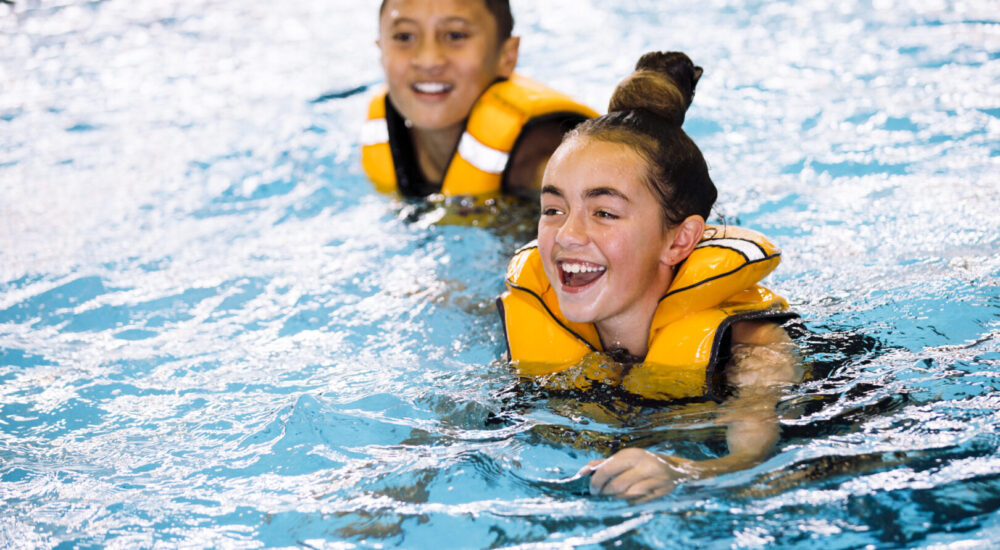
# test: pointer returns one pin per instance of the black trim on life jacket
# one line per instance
(722, 348)
(551, 315)
(409, 179)
(721, 275)
(503, 323)
(716, 381)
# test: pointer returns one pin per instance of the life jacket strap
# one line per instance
(487, 159)
(748, 249)
(374, 132)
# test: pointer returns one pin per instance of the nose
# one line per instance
(572, 232)
(429, 55)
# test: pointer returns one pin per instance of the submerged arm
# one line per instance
(763, 363)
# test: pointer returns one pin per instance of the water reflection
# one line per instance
(213, 332)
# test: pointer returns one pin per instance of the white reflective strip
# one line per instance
(374, 132)
(485, 158)
(749, 249)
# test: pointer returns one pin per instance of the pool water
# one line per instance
(214, 333)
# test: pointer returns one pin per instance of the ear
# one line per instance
(508, 56)
(686, 236)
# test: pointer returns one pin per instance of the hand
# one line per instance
(637, 475)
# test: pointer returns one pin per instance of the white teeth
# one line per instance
(580, 268)
(431, 87)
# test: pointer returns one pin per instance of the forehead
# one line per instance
(474, 11)
(582, 163)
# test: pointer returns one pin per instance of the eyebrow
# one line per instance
(447, 21)
(591, 193)
(605, 192)
(458, 19)
(551, 190)
(402, 21)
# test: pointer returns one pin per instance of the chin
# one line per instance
(437, 123)
(577, 314)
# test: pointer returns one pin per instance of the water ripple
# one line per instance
(214, 333)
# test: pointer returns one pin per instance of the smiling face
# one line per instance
(602, 240)
(439, 56)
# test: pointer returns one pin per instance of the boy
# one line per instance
(453, 117)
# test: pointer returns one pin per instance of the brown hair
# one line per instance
(645, 114)
(500, 9)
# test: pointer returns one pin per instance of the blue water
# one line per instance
(213, 333)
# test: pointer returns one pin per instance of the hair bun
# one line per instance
(663, 84)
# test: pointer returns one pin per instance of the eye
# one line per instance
(606, 215)
(403, 37)
(456, 36)
(551, 211)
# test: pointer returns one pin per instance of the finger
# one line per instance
(621, 461)
(649, 489)
(590, 467)
(622, 484)
(608, 470)
(618, 463)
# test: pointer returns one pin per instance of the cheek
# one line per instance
(544, 246)
(394, 58)
(546, 243)
(629, 252)
(615, 246)
(392, 76)
(396, 65)
(546, 232)
(479, 67)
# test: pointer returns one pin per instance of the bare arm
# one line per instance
(764, 361)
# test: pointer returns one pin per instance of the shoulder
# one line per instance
(528, 119)
(759, 333)
(763, 357)
(527, 164)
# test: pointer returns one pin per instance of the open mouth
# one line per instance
(579, 274)
(432, 88)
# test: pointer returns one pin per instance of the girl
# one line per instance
(625, 267)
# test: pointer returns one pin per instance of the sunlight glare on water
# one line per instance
(214, 333)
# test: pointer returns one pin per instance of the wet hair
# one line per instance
(646, 113)
(501, 14)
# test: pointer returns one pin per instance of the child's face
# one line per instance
(439, 56)
(601, 235)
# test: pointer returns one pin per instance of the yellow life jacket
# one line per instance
(491, 133)
(713, 288)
